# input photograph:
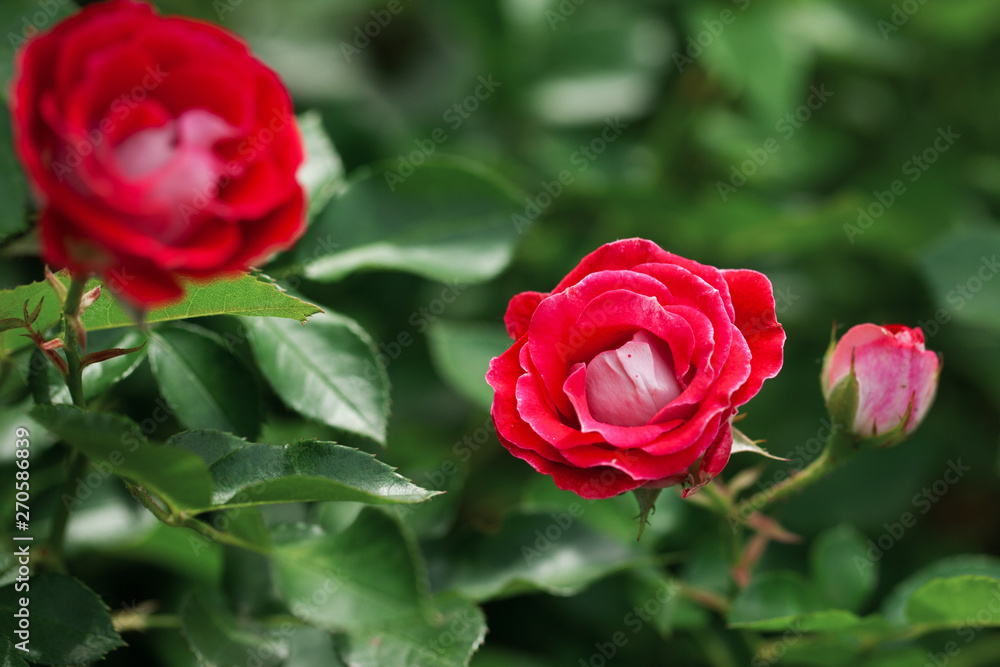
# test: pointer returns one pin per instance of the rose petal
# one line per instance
(519, 311)
(753, 300)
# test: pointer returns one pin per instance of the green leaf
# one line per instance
(742, 443)
(13, 193)
(251, 295)
(833, 637)
(322, 174)
(449, 640)
(894, 605)
(554, 553)
(774, 597)
(181, 479)
(363, 577)
(462, 352)
(192, 556)
(449, 221)
(326, 370)
(841, 568)
(758, 55)
(831, 620)
(961, 269)
(219, 639)
(20, 20)
(312, 647)
(99, 378)
(205, 384)
(898, 657)
(10, 656)
(955, 602)
(255, 474)
(70, 625)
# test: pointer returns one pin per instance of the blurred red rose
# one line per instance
(896, 376)
(157, 147)
(629, 372)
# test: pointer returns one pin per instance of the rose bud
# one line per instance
(879, 381)
(156, 147)
(629, 372)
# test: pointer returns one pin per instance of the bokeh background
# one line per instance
(848, 149)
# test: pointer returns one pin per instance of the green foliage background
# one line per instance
(895, 75)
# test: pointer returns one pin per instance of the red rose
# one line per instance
(629, 372)
(157, 147)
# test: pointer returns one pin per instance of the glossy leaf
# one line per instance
(248, 474)
(553, 552)
(325, 370)
(251, 295)
(219, 639)
(458, 628)
(205, 384)
(361, 578)
(448, 221)
(70, 624)
(181, 479)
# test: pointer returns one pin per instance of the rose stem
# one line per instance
(74, 381)
(839, 448)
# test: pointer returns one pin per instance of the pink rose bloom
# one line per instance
(629, 372)
(897, 376)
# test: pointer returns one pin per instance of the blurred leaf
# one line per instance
(70, 624)
(219, 639)
(363, 577)
(10, 656)
(195, 558)
(614, 517)
(252, 295)
(179, 478)
(826, 650)
(21, 20)
(554, 553)
(841, 568)
(462, 354)
(326, 370)
(831, 620)
(900, 657)
(205, 384)
(894, 605)
(99, 378)
(446, 220)
(457, 629)
(322, 174)
(13, 192)
(956, 602)
(656, 596)
(776, 597)
(255, 474)
(961, 269)
(311, 647)
(753, 52)
(247, 524)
